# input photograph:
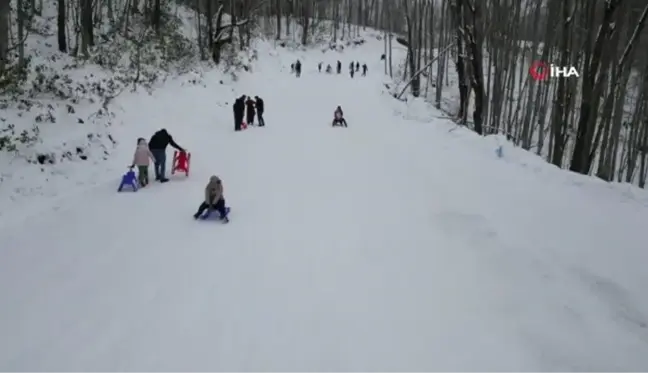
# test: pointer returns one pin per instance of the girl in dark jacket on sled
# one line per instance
(214, 199)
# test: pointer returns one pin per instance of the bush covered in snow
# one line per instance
(42, 86)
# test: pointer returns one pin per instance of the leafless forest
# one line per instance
(596, 123)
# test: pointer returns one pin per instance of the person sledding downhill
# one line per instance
(214, 200)
(338, 118)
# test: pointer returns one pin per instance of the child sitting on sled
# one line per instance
(338, 118)
(214, 199)
(142, 159)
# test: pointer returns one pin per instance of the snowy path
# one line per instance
(385, 246)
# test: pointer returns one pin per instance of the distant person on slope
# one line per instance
(239, 110)
(364, 69)
(298, 68)
(260, 107)
(357, 66)
(319, 67)
(158, 144)
(338, 118)
(250, 111)
(329, 69)
(214, 199)
(339, 67)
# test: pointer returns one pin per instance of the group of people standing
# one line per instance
(247, 108)
(354, 67)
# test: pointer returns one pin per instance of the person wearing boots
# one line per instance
(214, 199)
(158, 144)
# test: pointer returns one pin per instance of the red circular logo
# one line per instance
(539, 70)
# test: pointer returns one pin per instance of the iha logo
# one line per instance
(541, 71)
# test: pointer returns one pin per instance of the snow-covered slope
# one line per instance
(399, 243)
(60, 126)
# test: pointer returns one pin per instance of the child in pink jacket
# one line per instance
(142, 159)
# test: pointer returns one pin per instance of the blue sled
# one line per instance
(209, 215)
(129, 180)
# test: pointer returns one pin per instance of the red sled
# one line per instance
(181, 161)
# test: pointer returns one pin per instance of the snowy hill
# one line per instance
(399, 243)
(62, 123)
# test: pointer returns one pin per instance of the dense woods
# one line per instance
(469, 58)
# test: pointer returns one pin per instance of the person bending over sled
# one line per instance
(338, 119)
(214, 199)
(158, 144)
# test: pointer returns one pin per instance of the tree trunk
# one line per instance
(5, 9)
(60, 26)
(590, 94)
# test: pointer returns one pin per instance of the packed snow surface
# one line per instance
(398, 243)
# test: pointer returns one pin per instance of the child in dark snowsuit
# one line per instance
(214, 199)
(250, 111)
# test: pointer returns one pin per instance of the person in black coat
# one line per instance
(250, 111)
(260, 108)
(298, 68)
(158, 144)
(239, 110)
(339, 67)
